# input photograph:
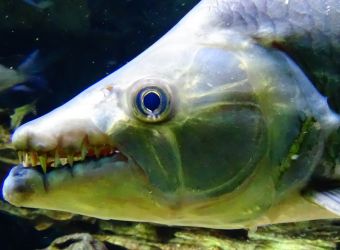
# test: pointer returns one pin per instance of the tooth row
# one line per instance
(31, 159)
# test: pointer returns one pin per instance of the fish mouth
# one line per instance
(47, 161)
(29, 182)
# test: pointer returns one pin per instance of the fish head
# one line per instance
(175, 136)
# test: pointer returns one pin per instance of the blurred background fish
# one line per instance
(23, 79)
(26, 73)
(44, 4)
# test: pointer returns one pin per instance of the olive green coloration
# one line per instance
(232, 136)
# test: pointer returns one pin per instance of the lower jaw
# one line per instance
(105, 188)
(23, 183)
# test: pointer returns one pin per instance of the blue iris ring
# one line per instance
(152, 104)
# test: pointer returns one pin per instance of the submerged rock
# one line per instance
(82, 241)
(42, 229)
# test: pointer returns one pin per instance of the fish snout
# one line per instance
(30, 137)
(58, 141)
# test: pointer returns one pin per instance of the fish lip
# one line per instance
(18, 187)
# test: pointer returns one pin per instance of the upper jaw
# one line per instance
(52, 146)
(61, 137)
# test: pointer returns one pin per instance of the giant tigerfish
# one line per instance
(217, 124)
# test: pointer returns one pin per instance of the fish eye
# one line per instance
(152, 104)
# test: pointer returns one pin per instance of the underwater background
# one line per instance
(56, 49)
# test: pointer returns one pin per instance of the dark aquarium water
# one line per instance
(51, 50)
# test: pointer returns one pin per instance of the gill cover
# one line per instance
(187, 138)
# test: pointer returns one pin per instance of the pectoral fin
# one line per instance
(328, 199)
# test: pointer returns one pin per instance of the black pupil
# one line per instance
(152, 101)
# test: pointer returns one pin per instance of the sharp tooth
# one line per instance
(83, 152)
(26, 162)
(70, 160)
(56, 159)
(43, 162)
(34, 158)
(97, 152)
(21, 156)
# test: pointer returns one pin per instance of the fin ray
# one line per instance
(329, 199)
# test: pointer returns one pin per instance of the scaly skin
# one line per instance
(240, 137)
